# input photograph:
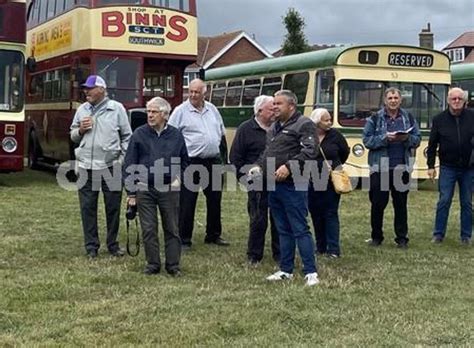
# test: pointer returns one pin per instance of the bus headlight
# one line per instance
(9, 144)
(358, 150)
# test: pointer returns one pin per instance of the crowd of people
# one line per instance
(283, 159)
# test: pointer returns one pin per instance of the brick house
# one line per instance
(461, 50)
(221, 50)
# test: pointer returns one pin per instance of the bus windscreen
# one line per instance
(11, 72)
(359, 100)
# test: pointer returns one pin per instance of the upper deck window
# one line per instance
(182, 5)
(43, 10)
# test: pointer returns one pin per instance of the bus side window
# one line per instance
(325, 89)
(218, 93)
(208, 91)
(234, 91)
(468, 86)
(65, 93)
(271, 85)
(36, 86)
(298, 83)
(251, 91)
(48, 86)
(470, 99)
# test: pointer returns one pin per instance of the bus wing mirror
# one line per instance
(31, 64)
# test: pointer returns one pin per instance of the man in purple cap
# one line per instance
(101, 128)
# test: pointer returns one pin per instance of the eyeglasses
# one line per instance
(456, 99)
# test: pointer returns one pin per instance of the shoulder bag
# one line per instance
(340, 179)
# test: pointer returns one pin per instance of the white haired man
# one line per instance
(451, 135)
(203, 129)
(156, 146)
(248, 145)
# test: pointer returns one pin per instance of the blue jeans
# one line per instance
(323, 207)
(448, 176)
(290, 209)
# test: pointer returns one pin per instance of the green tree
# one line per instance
(295, 39)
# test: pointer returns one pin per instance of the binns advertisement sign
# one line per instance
(150, 28)
(129, 29)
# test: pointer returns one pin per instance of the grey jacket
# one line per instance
(108, 139)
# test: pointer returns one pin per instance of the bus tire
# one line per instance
(33, 151)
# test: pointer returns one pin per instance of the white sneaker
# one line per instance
(311, 279)
(280, 275)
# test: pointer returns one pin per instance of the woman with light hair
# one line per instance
(323, 200)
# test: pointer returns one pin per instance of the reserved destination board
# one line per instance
(410, 59)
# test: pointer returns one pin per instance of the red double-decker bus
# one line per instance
(12, 62)
(140, 48)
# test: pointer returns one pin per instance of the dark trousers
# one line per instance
(168, 205)
(323, 207)
(188, 199)
(88, 198)
(257, 207)
(379, 196)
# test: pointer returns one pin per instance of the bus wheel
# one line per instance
(33, 151)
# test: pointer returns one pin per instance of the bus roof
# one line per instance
(462, 71)
(309, 60)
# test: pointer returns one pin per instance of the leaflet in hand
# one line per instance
(401, 132)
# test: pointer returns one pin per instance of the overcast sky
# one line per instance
(340, 21)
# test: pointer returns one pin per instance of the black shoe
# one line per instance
(402, 244)
(185, 246)
(218, 241)
(151, 271)
(175, 273)
(253, 262)
(117, 253)
(373, 242)
(92, 254)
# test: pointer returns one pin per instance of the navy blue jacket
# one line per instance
(147, 148)
(249, 143)
(452, 136)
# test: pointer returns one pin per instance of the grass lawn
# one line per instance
(52, 295)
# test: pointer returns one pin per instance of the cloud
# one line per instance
(340, 21)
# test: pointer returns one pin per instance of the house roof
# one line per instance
(211, 48)
(464, 40)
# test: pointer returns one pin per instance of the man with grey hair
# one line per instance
(248, 145)
(451, 135)
(100, 127)
(290, 144)
(150, 182)
(392, 136)
(203, 129)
